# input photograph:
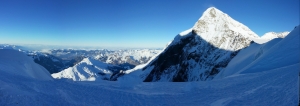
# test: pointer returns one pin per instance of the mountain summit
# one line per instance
(200, 52)
(215, 26)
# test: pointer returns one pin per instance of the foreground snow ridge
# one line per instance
(276, 87)
(17, 63)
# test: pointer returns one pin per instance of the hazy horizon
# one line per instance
(129, 24)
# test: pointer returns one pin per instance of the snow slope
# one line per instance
(87, 70)
(277, 87)
(274, 54)
(272, 35)
(269, 36)
(17, 63)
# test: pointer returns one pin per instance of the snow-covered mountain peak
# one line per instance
(88, 69)
(219, 29)
(87, 61)
(200, 52)
(212, 12)
(214, 20)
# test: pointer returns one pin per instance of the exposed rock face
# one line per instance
(192, 59)
(201, 52)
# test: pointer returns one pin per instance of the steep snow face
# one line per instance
(17, 63)
(87, 70)
(275, 54)
(222, 31)
(201, 52)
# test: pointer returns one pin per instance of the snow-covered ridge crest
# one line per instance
(87, 70)
(17, 63)
(272, 35)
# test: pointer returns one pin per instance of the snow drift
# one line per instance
(17, 63)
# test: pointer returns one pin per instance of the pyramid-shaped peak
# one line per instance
(213, 22)
(213, 12)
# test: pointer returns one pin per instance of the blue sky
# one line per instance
(130, 23)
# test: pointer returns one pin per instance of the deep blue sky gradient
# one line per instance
(130, 23)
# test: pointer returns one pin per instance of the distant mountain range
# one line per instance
(56, 60)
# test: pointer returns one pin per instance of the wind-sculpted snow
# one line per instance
(18, 64)
(277, 87)
(274, 87)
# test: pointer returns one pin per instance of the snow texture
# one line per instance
(277, 87)
(17, 63)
